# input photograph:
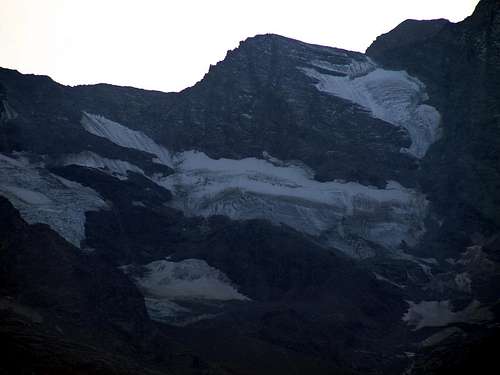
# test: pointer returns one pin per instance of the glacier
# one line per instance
(392, 96)
(346, 215)
(340, 212)
(42, 197)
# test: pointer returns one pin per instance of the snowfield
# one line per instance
(391, 96)
(42, 197)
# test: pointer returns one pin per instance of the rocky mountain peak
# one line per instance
(486, 9)
(301, 209)
(406, 33)
(266, 57)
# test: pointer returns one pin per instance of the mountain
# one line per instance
(301, 209)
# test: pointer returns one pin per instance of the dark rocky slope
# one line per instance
(460, 64)
(309, 308)
(62, 311)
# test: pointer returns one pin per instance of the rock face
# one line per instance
(284, 214)
(406, 33)
(62, 310)
(460, 66)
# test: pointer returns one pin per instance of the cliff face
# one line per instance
(305, 208)
(460, 65)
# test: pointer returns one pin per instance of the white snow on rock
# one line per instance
(392, 96)
(440, 313)
(354, 69)
(116, 168)
(42, 197)
(463, 282)
(165, 284)
(163, 310)
(476, 260)
(27, 196)
(253, 188)
(441, 336)
(125, 137)
(113, 167)
(8, 113)
(385, 279)
(190, 279)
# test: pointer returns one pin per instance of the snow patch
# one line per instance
(474, 258)
(463, 282)
(116, 168)
(8, 113)
(165, 285)
(125, 137)
(354, 69)
(440, 313)
(113, 167)
(385, 279)
(392, 96)
(441, 336)
(424, 263)
(163, 310)
(190, 279)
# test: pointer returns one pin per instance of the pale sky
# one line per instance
(169, 45)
